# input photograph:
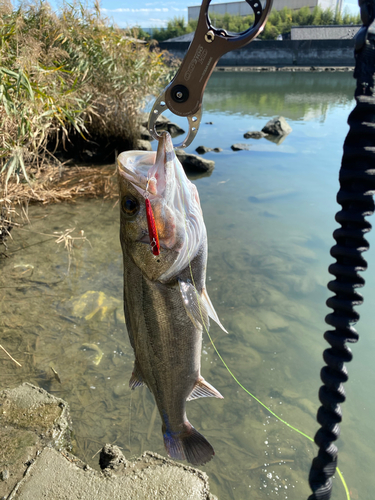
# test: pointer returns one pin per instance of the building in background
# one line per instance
(244, 9)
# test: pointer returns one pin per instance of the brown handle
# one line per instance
(184, 94)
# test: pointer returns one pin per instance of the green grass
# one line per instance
(279, 22)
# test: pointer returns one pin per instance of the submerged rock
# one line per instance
(194, 163)
(240, 147)
(277, 126)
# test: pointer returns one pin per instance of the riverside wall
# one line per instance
(281, 53)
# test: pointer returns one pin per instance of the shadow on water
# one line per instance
(269, 214)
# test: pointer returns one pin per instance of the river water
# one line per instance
(269, 213)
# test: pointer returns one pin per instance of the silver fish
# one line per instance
(165, 299)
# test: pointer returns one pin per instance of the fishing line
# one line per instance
(224, 363)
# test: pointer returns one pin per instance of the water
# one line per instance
(269, 214)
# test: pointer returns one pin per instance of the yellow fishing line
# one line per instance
(227, 367)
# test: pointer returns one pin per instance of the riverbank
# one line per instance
(36, 459)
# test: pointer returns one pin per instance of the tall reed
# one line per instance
(63, 76)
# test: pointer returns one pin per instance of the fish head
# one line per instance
(176, 208)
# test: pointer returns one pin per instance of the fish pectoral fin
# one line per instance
(193, 304)
(136, 380)
(203, 389)
(210, 309)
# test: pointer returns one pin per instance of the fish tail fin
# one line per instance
(188, 445)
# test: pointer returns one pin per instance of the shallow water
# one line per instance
(269, 214)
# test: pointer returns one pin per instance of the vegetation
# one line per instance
(279, 22)
(67, 80)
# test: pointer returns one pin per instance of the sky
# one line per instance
(152, 14)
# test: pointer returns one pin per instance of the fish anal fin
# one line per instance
(203, 389)
(193, 304)
(136, 380)
(210, 309)
(188, 445)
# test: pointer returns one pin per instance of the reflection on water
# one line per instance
(269, 214)
(298, 96)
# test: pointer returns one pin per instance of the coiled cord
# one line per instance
(357, 186)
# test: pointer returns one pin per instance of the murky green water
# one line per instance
(269, 213)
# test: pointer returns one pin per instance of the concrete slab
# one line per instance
(152, 476)
(35, 461)
(30, 419)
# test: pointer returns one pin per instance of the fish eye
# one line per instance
(130, 205)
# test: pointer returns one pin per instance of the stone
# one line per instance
(240, 147)
(194, 163)
(4, 475)
(217, 150)
(203, 149)
(162, 123)
(173, 129)
(254, 134)
(143, 145)
(145, 134)
(111, 457)
(143, 120)
(277, 126)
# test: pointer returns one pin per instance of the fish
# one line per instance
(166, 303)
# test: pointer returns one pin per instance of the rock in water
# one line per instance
(203, 149)
(277, 126)
(240, 147)
(194, 163)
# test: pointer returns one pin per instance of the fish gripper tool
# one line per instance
(183, 95)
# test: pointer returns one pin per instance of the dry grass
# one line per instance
(51, 187)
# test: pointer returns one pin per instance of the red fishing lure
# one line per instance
(152, 231)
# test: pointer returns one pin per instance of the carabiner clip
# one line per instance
(183, 95)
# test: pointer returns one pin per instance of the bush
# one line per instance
(66, 79)
(279, 22)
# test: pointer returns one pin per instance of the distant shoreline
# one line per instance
(296, 69)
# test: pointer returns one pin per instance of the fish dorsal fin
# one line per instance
(203, 389)
(193, 304)
(136, 380)
(210, 309)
